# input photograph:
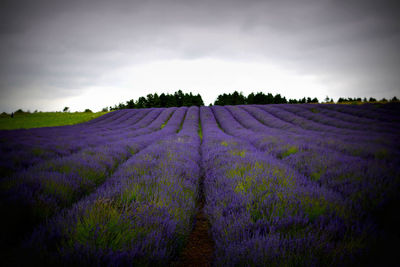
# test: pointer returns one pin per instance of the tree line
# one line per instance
(177, 99)
(365, 100)
(237, 98)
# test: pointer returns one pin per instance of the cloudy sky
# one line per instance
(93, 54)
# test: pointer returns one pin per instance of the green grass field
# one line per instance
(45, 119)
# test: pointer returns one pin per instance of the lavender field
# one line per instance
(283, 185)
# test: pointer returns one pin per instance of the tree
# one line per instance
(198, 100)
(150, 101)
(130, 104)
(221, 100)
(260, 98)
(171, 101)
(187, 100)
(269, 99)
(141, 102)
(238, 98)
(121, 106)
(179, 98)
(251, 99)
(163, 100)
(302, 101)
(156, 101)
(88, 110)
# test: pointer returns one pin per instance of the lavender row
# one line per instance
(62, 135)
(315, 115)
(23, 156)
(54, 132)
(269, 139)
(368, 111)
(141, 216)
(375, 124)
(318, 127)
(29, 149)
(66, 135)
(263, 213)
(39, 192)
(358, 180)
(357, 145)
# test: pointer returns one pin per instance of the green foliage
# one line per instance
(103, 226)
(178, 99)
(382, 154)
(259, 98)
(62, 190)
(290, 150)
(357, 101)
(315, 176)
(37, 151)
(230, 143)
(231, 99)
(181, 125)
(240, 170)
(165, 123)
(315, 209)
(4, 115)
(236, 152)
(45, 119)
(200, 131)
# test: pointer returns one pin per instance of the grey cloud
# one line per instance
(68, 44)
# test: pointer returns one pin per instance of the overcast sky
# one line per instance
(93, 54)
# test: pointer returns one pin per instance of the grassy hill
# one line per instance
(44, 119)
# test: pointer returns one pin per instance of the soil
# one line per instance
(199, 249)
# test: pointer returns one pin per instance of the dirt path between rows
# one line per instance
(199, 249)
